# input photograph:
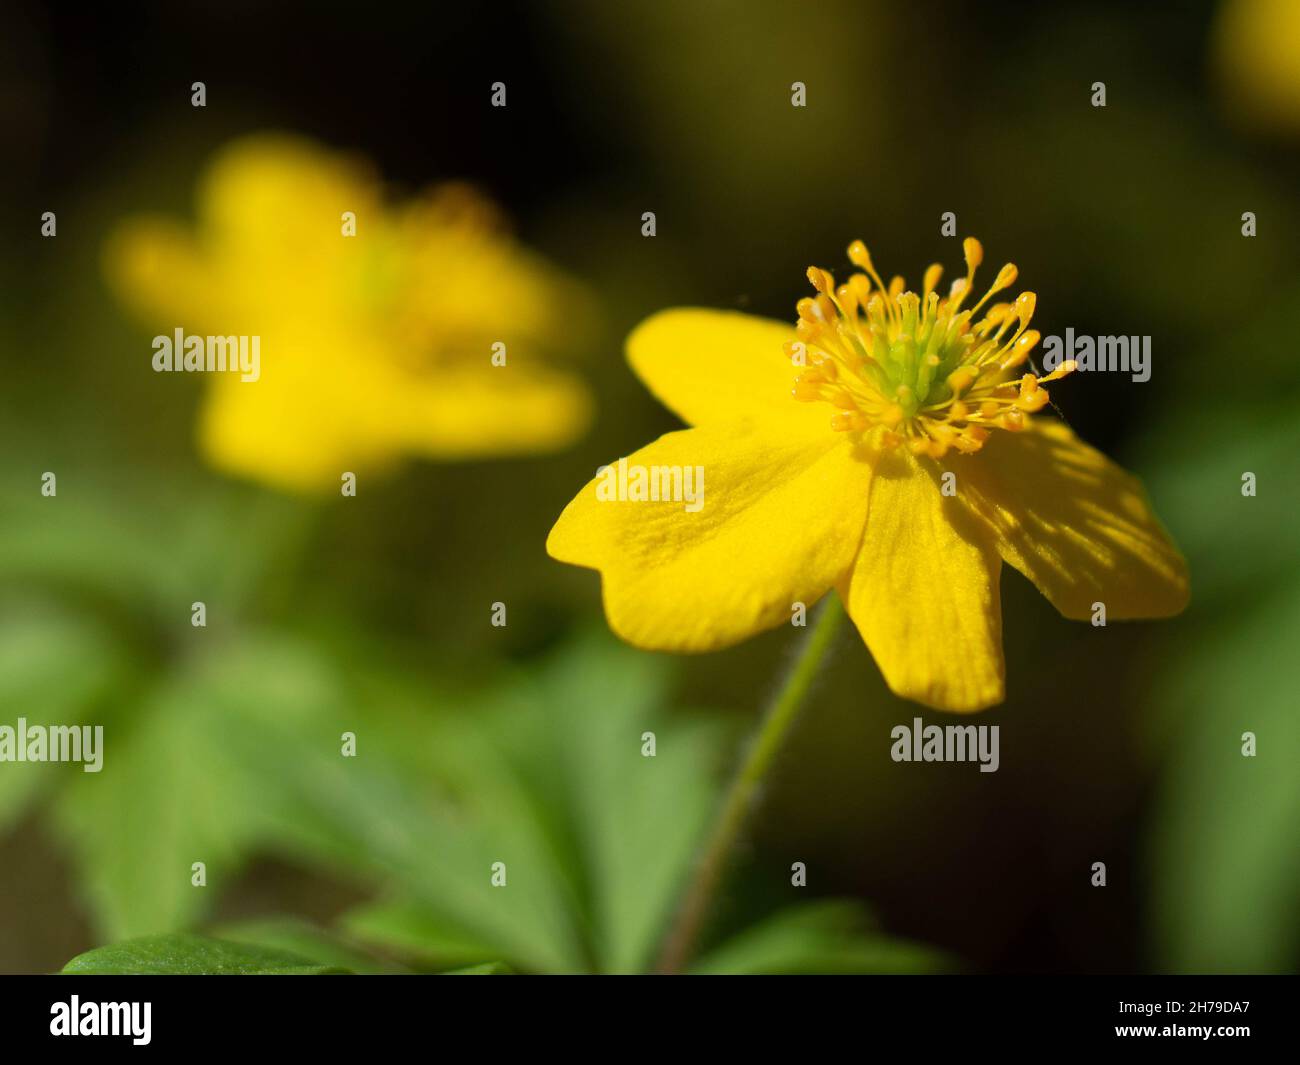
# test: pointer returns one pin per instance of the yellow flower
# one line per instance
(1256, 52)
(373, 345)
(799, 497)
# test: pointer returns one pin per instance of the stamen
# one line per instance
(918, 370)
(1005, 279)
(932, 275)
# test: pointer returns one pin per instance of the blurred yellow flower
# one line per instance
(1256, 47)
(374, 345)
(930, 472)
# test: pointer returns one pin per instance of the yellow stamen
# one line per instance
(918, 370)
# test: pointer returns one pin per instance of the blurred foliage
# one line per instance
(225, 742)
(554, 770)
(1226, 865)
(543, 773)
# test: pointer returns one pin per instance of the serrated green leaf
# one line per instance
(160, 803)
(546, 775)
(182, 954)
(637, 818)
(175, 788)
(371, 821)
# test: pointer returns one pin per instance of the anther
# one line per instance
(1025, 304)
(821, 279)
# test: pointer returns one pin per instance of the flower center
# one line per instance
(921, 370)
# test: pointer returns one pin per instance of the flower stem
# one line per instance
(739, 800)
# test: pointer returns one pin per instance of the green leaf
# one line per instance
(190, 955)
(365, 818)
(1232, 542)
(54, 667)
(491, 968)
(175, 789)
(818, 937)
(561, 752)
(304, 939)
(1227, 871)
(413, 931)
(545, 774)
(372, 815)
(551, 769)
(160, 803)
(637, 819)
(147, 548)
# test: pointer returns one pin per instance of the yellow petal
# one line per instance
(457, 270)
(924, 592)
(718, 366)
(155, 268)
(780, 521)
(1256, 46)
(310, 417)
(1074, 523)
(468, 412)
(318, 411)
(271, 209)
